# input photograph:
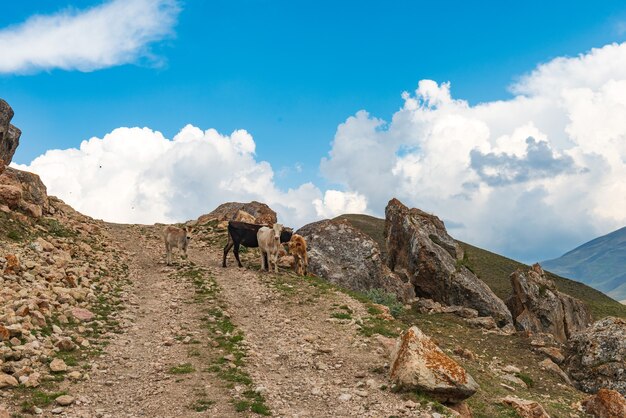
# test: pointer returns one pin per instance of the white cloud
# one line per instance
(113, 33)
(336, 203)
(476, 166)
(137, 175)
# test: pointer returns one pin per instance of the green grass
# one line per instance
(39, 398)
(387, 299)
(526, 379)
(182, 369)
(341, 315)
(201, 405)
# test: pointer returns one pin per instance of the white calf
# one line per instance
(269, 244)
(175, 237)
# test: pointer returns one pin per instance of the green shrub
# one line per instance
(387, 299)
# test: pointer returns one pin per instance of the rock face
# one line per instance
(257, 212)
(347, 257)
(420, 249)
(605, 404)
(537, 306)
(596, 357)
(418, 364)
(24, 191)
(9, 135)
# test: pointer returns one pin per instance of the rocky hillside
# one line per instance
(494, 270)
(598, 263)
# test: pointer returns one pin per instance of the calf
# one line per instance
(297, 248)
(269, 244)
(175, 237)
(242, 233)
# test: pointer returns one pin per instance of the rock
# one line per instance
(33, 194)
(82, 314)
(420, 249)
(9, 135)
(5, 335)
(343, 255)
(344, 397)
(7, 380)
(388, 344)
(252, 212)
(462, 409)
(418, 364)
(33, 380)
(4, 412)
(44, 245)
(555, 369)
(596, 357)
(485, 322)
(537, 306)
(465, 353)
(65, 344)
(385, 313)
(606, 403)
(65, 400)
(553, 353)
(511, 369)
(58, 365)
(57, 411)
(525, 409)
(12, 265)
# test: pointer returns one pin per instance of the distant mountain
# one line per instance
(600, 263)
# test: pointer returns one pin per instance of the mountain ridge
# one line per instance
(598, 263)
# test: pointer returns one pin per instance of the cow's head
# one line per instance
(277, 228)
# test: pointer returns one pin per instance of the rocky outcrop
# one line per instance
(347, 257)
(605, 404)
(420, 250)
(24, 191)
(596, 357)
(252, 212)
(9, 135)
(418, 364)
(537, 306)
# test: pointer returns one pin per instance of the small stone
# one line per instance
(410, 404)
(57, 411)
(7, 380)
(58, 365)
(187, 340)
(344, 397)
(511, 369)
(82, 314)
(65, 400)
(361, 393)
(75, 375)
(37, 410)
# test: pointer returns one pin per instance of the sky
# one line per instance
(505, 119)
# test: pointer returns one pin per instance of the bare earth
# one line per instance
(302, 362)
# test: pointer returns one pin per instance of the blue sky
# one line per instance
(290, 73)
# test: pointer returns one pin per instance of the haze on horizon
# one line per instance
(508, 124)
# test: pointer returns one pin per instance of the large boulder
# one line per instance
(537, 306)
(596, 357)
(25, 191)
(252, 212)
(605, 404)
(343, 255)
(418, 364)
(9, 135)
(420, 249)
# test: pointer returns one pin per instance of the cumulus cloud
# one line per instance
(530, 177)
(337, 203)
(113, 33)
(137, 175)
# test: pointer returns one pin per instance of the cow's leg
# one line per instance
(262, 260)
(227, 248)
(236, 251)
(305, 264)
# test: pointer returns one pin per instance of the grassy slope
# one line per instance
(495, 269)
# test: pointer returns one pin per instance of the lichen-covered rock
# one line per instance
(537, 306)
(418, 364)
(605, 404)
(252, 212)
(596, 357)
(343, 255)
(420, 249)
(9, 135)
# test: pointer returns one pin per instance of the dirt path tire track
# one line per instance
(132, 378)
(304, 362)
